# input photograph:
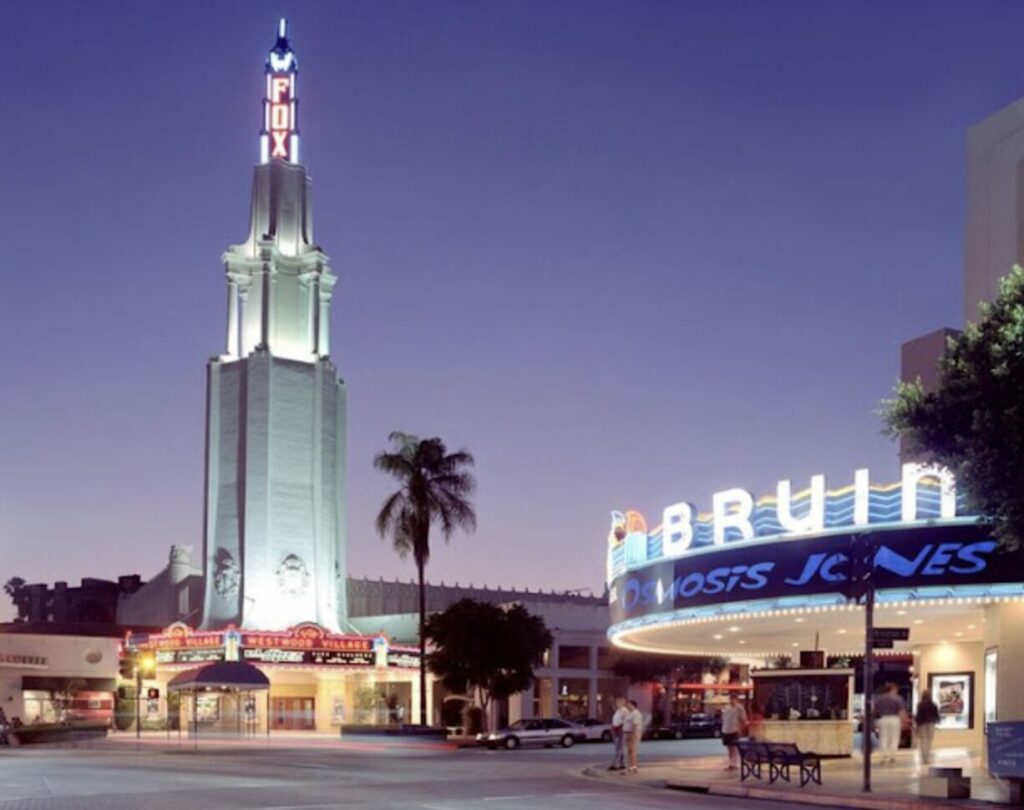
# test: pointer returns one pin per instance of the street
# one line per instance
(336, 775)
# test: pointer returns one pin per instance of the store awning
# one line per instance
(220, 675)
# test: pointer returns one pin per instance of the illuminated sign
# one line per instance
(279, 138)
(306, 644)
(934, 558)
(924, 493)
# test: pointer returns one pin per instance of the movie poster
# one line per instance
(953, 693)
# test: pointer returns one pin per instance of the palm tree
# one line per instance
(435, 489)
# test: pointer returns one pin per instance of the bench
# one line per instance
(782, 756)
(752, 756)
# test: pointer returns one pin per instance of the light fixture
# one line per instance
(734, 629)
(800, 619)
(717, 637)
(842, 630)
(918, 621)
(901, 613)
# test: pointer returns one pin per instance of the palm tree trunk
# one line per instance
(423, 645)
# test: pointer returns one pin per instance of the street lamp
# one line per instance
(147, 664)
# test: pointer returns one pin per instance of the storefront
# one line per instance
(49, 678)
(318, 681)
(762, 580)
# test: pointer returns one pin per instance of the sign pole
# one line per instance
(869, 669)
(138, 701)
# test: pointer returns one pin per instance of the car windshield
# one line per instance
(518, 725)
(557, 724)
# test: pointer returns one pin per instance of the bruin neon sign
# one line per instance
(280, 139)
(736, 516)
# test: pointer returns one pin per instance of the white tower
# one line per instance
(274, 547)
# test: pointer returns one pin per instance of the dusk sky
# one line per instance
(626, 253)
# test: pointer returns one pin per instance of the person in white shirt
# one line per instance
(734, 726)
(619, 757)
(632, 729)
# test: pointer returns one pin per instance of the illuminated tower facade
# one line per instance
(274, 547)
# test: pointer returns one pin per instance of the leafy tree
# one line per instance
(435, 490)
(15, 589)
(973, 423)
(486, 648)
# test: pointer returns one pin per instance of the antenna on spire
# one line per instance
(282, 29)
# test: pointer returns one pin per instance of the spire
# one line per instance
(279, 137)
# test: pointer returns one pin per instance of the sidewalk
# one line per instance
(894, 787)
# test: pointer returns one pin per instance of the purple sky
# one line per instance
(626, 253)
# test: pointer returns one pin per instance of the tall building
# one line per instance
(274, 547)
(995, 204)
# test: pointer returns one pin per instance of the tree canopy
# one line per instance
(973, 422)
(483, 647)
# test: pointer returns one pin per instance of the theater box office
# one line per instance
(762, 580)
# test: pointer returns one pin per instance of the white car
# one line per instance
(596, 730)
(546, 731)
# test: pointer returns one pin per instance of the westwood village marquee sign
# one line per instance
(914, 533)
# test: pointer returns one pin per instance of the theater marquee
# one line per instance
(914, 536)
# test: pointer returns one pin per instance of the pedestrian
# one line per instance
(632, 729)
(926, 718)
(755, 728)
(734, 726)
(4, 740)
(618, 718)
(891, 712)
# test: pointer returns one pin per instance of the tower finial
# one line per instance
(279, 137)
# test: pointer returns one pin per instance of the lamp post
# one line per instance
(147, 663)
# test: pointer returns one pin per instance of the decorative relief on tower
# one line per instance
(293, 576)
(226, 576)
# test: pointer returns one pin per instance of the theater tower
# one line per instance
(274, 546)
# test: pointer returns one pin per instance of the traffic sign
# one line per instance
(882, 643)
(891, 634)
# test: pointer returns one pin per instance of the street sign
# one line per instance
(891, 634)
(882, 643)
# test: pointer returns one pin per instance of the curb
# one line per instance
(737, 791)
(861, 801)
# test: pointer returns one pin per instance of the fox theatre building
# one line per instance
(780, 582)
(314, 680)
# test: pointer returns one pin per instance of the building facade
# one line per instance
(274, 548)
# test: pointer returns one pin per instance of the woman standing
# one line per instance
(926, 718)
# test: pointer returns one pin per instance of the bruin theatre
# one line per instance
(776, 579)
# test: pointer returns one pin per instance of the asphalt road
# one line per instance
(369, 774)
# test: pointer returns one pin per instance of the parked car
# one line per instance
(595, 730)
(693, 725)
(546, 731)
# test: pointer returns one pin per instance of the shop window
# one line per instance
(606, 658)
(573, 657)
(574, 698)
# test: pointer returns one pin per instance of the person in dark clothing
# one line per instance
(926, 718)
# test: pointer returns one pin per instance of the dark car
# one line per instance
(693, 725)
(546, 731)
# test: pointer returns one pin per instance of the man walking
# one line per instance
(891, 712)
(734, 726)
(618, 719)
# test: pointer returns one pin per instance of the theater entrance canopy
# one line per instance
(765, 577)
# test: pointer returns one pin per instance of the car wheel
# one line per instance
(512, 743)
(568, 741)
(678, 734)
(606, 737)
(716, 733)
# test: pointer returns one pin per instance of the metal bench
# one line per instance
(752, 756)
(782, 756)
